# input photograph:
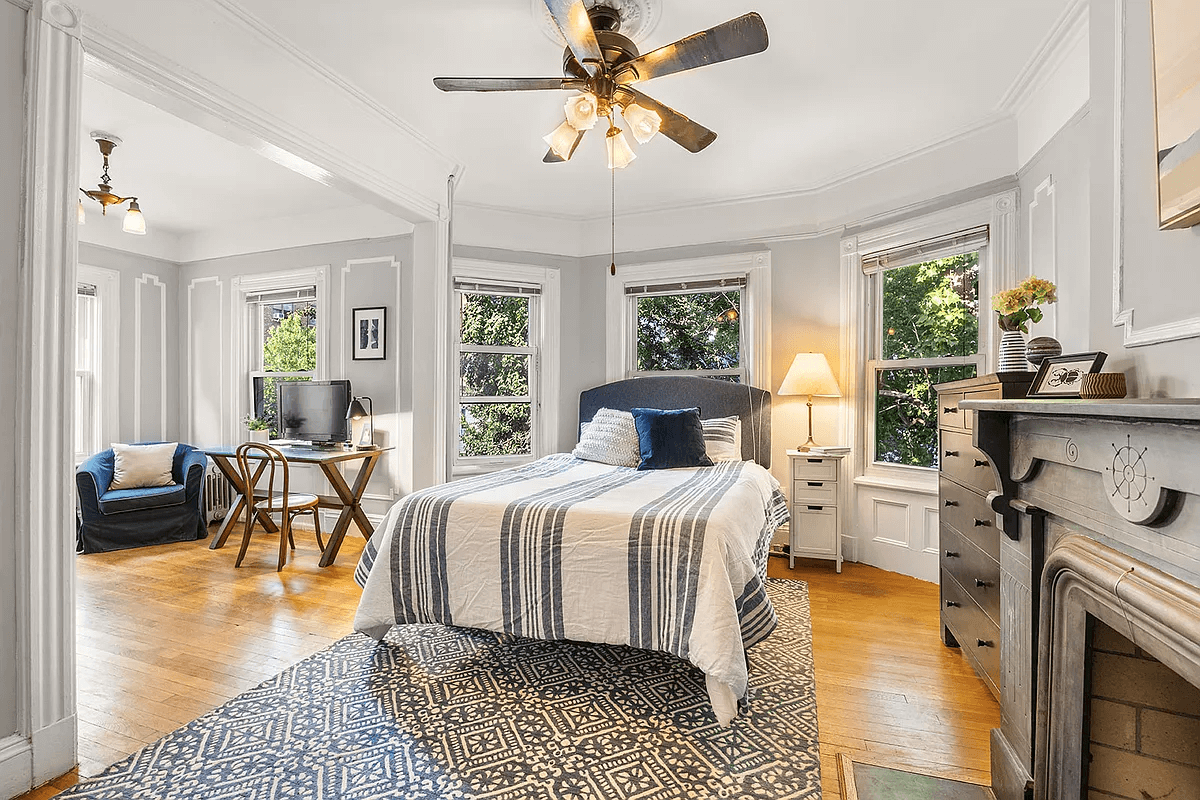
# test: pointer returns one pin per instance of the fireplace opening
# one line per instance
(1141, 723)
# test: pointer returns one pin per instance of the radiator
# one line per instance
(218, 494)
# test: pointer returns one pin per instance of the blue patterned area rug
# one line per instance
(436, 712)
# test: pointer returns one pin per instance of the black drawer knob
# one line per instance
(982, 523)
(951, 454)
(951, 554)
(951, 503)
(981, 462)
(949, 409)
(983, 643)
(981, 583)
(952, 604)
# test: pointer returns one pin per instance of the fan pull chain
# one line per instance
(612, 267)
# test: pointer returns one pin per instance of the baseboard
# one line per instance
(55, 750)
(16, 766)
(1010, 779)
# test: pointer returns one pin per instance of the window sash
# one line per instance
(932, 249)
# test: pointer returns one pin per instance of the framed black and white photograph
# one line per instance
(1061, 376)
(368, 334)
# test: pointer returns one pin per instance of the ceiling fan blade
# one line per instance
(739, 37)
(504, 84)
(552, 157)
(675, 126)
(572, 19)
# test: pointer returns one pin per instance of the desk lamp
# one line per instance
(355, 413)
(810, 375)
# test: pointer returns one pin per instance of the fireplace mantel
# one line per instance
(1119, 475)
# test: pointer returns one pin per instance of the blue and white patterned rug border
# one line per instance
(457, 713)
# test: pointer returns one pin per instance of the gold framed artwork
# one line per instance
(1176, 40)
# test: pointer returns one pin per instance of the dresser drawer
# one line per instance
(949, 414)
(978, 636)
(967, 414)
(966, 464)
(814, 468)
(814, 529)
(969, 513)
(976, 571)
(815, 492)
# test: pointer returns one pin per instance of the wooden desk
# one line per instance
(347, 498)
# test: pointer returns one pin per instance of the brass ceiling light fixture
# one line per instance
(134, 223)
(602, 65)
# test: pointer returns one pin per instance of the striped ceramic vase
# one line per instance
(1012, 352)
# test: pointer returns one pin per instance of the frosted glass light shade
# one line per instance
(81, 215)
(562, 140)
(135, 223)
(581, 111)
(643, 123)
(810, 375)
(619, 151)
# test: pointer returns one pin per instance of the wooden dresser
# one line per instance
(969, 535)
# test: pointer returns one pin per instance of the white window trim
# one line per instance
(545, 377)
(755, 307)
(107, 387)
(998, 268)
(240, 366)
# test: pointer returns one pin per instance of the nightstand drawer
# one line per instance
(814, 468)
(814, 529)
(966, 464)
(815, 492)
(949, 414)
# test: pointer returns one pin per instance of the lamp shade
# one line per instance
(581, 111)
(619, 151)
(810, 375)
(135, 223)
(356, 410)
(643, 122)
(563, 141)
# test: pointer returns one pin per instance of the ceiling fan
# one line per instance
(603, 65)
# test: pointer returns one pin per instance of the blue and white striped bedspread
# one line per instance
(671, 560)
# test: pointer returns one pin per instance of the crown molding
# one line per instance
(1067, 31)
(24, 5)
(234, 11)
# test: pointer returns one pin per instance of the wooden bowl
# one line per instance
(1102, 386)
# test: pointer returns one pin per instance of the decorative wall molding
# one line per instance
(24, 5)
(189, 364)
(1123, 315)
(1043, 247)
(44, 505)
(932, 532)
(139, 390)
(876, 504)
(1064, 36)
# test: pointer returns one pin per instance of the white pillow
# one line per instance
(723, 438)
(139, 466)
(610, 438)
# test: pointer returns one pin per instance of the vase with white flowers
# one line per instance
(1015, 309)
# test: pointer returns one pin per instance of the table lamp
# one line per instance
(810, 375)
(356, 412)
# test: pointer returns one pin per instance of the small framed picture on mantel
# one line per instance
(368, 334)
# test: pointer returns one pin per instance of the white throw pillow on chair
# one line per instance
(141, 466)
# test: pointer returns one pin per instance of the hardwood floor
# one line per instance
(167, 633)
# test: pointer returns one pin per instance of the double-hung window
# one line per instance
(924, 331)
(283, 344)
(87, 362)
(498, 353)
(687, 328)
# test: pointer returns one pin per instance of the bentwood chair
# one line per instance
(260, 465)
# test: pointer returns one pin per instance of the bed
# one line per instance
(562, 548)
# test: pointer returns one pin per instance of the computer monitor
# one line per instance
(314, 411)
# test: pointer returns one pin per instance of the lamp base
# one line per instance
(809, 445)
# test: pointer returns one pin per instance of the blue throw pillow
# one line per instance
(670, 439)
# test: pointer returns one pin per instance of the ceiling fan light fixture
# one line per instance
(562, 140)
(644, 124)
(134, 223)
(581, 111)
(620, 154)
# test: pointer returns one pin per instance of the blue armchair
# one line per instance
(124, 518)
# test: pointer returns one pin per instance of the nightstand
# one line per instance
(816, 526)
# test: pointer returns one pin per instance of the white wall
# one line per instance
(148, 365)
(363, 273)
(1162, 277)
(12, 61)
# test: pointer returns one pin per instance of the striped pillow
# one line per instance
(610, 438)
(723, 438)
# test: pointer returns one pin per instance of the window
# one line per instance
(87, 439)
(283, 344)
(691, 329)
(926, 332)
(498, 356)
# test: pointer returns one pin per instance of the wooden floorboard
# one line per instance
(168, 633)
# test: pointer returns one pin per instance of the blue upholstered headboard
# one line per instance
(714, 398)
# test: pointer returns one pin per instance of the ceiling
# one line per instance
(186, 179)
(844, 86)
